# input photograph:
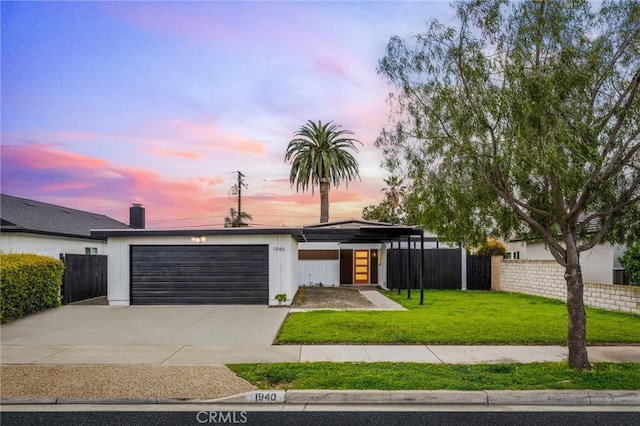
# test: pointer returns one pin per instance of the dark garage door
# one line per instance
(205, 274)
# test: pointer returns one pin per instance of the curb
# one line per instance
(319, 397)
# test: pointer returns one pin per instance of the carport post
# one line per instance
(422, 268)
(399, 260)
(409, 267)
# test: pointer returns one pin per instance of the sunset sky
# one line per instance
(105, 104)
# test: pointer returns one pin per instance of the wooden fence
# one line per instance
(85, 277)
(442, 269)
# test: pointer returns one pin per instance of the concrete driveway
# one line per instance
(210, 325)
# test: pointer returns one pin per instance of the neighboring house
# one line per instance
(29, 226)
(598, 264)
(243, 265)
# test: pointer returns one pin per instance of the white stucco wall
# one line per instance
(283, 256)
(44, 245)
(597, 263)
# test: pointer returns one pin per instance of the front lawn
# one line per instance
(457, 317)
(400, 376)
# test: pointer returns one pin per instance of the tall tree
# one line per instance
(319, 155)
(235, 220)
(523, 117)
(394, 192)
(382, 212)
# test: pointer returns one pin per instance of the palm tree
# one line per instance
(394, 192)
(319, 155)
(234, 220)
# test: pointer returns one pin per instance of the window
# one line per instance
(91, 250)
(513, 255)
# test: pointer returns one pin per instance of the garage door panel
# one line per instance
(180, 280)
(209, 274)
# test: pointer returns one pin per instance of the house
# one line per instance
(598, 264)
(242, 265)
(29, 226)
(349, 252)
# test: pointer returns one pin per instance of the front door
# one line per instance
(361, 267)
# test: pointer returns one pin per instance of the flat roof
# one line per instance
(361, 234)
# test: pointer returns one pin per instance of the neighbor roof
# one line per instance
(24, 215)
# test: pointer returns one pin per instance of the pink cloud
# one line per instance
(41, 156)
(46, 173)
(189, 155)
(77, 136)
(215, 138)
(188, 22)
(212, 181)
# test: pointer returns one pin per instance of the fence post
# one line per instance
(463, 265)
(422, 268)
(409, 267)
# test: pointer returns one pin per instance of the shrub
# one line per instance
(631, 262)
(28, 283)
(492, 248)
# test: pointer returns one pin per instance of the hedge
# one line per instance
(492, 248)
(631, 262)
(28, 283)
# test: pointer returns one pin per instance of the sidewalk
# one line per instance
(229, 354)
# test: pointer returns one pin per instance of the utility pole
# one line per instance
(240, 184)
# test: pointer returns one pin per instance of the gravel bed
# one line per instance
(120, 381)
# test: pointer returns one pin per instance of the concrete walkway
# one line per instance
(229, 354)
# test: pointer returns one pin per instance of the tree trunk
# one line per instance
(577, 336)
(324, 200)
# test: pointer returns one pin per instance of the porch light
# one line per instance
(199, 239)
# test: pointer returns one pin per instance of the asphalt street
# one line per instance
(375, 418)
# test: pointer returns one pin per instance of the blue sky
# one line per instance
(109, 103)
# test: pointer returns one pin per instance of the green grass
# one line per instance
(455, 317)
(399, 376)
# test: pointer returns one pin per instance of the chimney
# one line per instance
(136, 216)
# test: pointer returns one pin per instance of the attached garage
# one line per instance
(199, 274)
(201, 267)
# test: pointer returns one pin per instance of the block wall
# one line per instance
(546, 278)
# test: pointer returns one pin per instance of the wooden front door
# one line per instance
(361, 266)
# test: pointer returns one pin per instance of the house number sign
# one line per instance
(265, 397)
(278, 248)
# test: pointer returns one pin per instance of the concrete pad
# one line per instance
(341, 353)
(111, 355)
(235, 326)
(381, 301)
(28, 330)
(146, 325)
(552, 397)
(234, 354)
(27, 354)
(404, 353)
(614, 353)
